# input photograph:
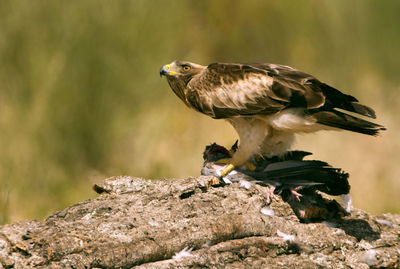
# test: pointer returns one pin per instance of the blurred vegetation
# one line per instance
(81, 99)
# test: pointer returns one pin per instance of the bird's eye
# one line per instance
(186, 67)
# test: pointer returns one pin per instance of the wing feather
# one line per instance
(227, 90)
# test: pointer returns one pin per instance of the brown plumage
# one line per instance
(266, 103)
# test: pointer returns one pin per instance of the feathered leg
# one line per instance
(251, 133)
(276, 142)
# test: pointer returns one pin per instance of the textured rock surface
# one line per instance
(144, 224)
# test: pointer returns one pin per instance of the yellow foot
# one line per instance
(227, 169)
(259, 158)
(250, 166)
(230, 166)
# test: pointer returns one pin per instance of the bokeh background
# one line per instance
(81, 98)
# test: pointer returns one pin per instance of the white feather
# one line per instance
(285, 237)
(347, 202)
(245, 184)
(369, 257)
(266, 210)
(294, 120)
(184, 253)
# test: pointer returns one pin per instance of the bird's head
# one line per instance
(181, 70)
(179, 74)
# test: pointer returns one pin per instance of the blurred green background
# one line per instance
(81, 98)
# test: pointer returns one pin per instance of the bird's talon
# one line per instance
(295, 193)
(259, 158)
(250, 166)
(227, 169)
(270, 194)
(233, 148)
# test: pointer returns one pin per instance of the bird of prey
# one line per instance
(267, 104)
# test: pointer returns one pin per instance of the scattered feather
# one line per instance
(245, 184)
(369, 257)
(266, 210)
(88, 216)
(285, 237)
(184, 253)
(233, 172)
(347, 202)
(385, 222)
(226, 180)
(339, 232)
(152, 223)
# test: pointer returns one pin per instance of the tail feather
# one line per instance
(337, 99)
(345, 121)
(363, 110)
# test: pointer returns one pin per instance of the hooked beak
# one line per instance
(166, 71)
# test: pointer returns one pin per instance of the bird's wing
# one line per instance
(292, 173)
(226, 90)
(333, 98)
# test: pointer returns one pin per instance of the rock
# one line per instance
(139, 223)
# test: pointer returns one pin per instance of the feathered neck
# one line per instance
(179, 86)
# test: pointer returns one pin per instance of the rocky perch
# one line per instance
(139, 223)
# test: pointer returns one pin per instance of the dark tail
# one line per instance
(337, 119)
(331, 116)
(337, 99)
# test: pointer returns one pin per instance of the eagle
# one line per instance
(267, 104)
